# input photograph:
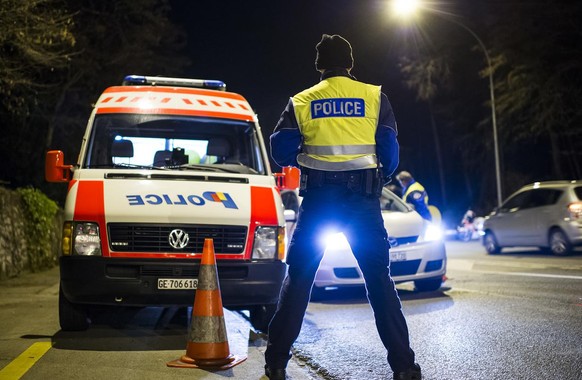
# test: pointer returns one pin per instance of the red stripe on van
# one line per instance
(90, 207)
(71, 184)
(169, 111)
(263, 210)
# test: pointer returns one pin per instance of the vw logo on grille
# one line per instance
(178, 239)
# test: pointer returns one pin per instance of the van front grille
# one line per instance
(154, 238)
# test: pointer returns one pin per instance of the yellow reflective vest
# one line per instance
(416, 187)
(338, 118)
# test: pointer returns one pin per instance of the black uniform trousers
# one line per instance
(359, 217)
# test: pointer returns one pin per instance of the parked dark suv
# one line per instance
(547, 215)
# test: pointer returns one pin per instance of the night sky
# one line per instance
(265, 50)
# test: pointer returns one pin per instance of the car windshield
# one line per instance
(391, 202)
(173, 142)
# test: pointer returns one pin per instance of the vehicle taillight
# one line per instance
(575, 210)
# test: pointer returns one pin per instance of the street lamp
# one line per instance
(406, 8)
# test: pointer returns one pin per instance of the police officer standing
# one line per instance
(342, 134)
(415, 194)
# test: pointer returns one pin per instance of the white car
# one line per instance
(417, 251)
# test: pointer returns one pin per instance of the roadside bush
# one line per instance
(42, 223)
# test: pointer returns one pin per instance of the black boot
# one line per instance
(275, 373)
(412, 373)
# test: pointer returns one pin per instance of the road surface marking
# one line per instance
(532, 274)
(471, 265)
(19, 366)
(460, 264)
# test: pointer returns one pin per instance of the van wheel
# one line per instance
(559, 244)
(72, 317)
(428, 285)
(490, 244)
(261, 316)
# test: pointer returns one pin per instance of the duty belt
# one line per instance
(319, 177)
(341, 177)
(363, 181)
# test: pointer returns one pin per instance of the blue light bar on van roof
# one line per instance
(141, 80)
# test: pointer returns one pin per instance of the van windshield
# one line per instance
(174, 142)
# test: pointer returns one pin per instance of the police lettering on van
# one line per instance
(180, 199)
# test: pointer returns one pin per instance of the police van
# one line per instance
(166, 163)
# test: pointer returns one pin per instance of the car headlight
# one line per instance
(81, 239)
(433, 233)
(335, 241)
(269, 243)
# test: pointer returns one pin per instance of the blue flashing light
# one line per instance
(141, 80)
(215, 84)
(134, 80)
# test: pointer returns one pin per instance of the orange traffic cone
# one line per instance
(207, 346)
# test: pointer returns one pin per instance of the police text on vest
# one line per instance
(338, 107)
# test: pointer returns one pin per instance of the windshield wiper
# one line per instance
(208, 168)
(128, 166)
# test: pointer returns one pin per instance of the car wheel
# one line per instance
(428, 285)
(72, 317)
(490, 244)
(261, 316)
(559, 244)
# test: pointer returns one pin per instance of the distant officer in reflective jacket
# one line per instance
(342, 134)
(415, 194)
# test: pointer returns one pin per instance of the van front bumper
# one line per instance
(134, 282)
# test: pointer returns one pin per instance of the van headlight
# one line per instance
(269, 243)
(433, 233)
(81, 239)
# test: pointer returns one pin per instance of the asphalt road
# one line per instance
(121, 343)
(517, 315)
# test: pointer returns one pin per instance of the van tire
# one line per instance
(261, 316)
(72, 317)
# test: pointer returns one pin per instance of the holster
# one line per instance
(374, 182)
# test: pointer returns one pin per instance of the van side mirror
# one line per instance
(54, 168)
(289, 178)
